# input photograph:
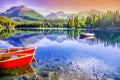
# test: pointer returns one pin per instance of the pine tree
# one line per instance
(72, 22)
(76, 22)
(88, 21)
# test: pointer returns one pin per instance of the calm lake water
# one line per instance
(62, 55)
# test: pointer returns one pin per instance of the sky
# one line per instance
(69, 6)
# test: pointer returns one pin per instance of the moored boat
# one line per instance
(7, 62)
(87, 35)
(17, 58)
(19, 51)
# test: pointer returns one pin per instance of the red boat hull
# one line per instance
(20, 61)
(24, 52)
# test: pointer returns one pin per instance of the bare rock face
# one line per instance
(59, 14)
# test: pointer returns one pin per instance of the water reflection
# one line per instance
(4, 33)
(24, 70)
(107, 38)
(75, 61)
(62, 55)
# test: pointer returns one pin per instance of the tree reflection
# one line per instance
(4, 33)
(108, 38)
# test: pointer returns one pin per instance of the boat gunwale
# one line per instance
(17, 50)
(20, 56)
(20, 50)
(16, 58)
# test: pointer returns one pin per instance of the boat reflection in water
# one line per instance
(17, 71)
(11, 66)
(85, 39)
(87, 35)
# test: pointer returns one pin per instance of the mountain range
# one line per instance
(23, 13)
(58, 14)
(63, 15)
(87, 13)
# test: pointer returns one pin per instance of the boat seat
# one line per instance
(5, 56)
(12, 49)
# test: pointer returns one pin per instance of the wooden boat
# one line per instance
(19, 51)
(5, 62)
(87, 35)
(16, 58)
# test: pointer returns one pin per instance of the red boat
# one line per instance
(16, 58)
(19, 51)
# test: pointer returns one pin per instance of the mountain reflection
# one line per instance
(63, 55)
(25, 37)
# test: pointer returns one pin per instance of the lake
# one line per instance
(63, 55)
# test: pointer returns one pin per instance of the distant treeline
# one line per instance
(47, 23)
(6, 22)
(106, 20)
